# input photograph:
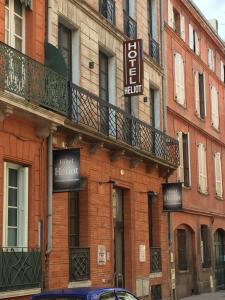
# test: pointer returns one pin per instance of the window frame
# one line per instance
(23, 182)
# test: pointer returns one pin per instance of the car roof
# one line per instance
(87, 292)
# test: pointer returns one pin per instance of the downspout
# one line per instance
(164, 94)
(49, 225)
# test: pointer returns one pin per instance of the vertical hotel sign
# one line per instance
(66, 170)
(133, 67)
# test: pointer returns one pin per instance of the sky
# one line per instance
(214, 9)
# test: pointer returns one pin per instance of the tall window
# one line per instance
(222, 66)
(65, 47)
(200, 101)
(193, 40)
(205, 246)
(15, 24)
(15, 216)
(182, 249)
(179, 79)
(218, 174)
(202, 169)
(129, 14)
(211, 59)
(214, 108)
(184, 168)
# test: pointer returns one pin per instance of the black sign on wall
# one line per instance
(66, 170)
(172, 196)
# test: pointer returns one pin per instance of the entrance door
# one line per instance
(219, 259)
(118, 222)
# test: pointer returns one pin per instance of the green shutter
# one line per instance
(27, 3)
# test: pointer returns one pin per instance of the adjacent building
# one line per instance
(195, 115)
(62, 88)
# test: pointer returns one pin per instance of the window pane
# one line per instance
(13, 177)
(12, 237)
(7, 3)
(18, 7)
(7, 18)
(12, 216)
(18, 44)
(18, 26)
(12, 197)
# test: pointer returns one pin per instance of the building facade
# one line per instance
(62, 88)
(195, 105)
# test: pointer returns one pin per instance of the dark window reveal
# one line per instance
(186, 160)
(205, 246)
(65, 47)
(182, 249)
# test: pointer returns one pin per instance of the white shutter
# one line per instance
(214, 108)
(181, 166)
(176, 68)
(200, 181)
(182, 27)
(197, 49)
(170, 14)
(182, 82)
(210, 58)
(191, 37)
(202, 170)
(23, 207)
(218, 174)
(222, 70)
(197, 96)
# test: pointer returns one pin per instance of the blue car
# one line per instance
(86, 294)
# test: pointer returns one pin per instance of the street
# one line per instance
(210, 296)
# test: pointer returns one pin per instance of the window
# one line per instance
(184, 168)
(200, 101)
(15, 222)
(156, 292)
(129, 14)
(15, 24)
(193, 40)
(65, 47)
(222, 66)
(153, 30)
(182, 249)
(218, 175)
(170, 14)
(214, 108)
(179, 79)
(211, 59)
(202, 170)
(176, 21)
(205, 246)
(107, 10)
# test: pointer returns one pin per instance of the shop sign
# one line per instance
(172, 196)
(133, 67)
(66, 170)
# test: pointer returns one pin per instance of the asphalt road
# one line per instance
(211, 296)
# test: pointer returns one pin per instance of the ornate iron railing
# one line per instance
(154, 50)
(130, 26)
(79, 264)
(87, 109)
(155, 260)
(20, 268)
(107, 10)
(25, 77)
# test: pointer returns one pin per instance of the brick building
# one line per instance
(62, 88)
(195, 105)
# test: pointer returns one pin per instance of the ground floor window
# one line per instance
(15, 216)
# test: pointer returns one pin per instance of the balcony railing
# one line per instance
(20, 268)
(29, 79)
(154, 50)
(155, 260)
(130, 26)
(107, 10)
(79, 264)
(87, 109)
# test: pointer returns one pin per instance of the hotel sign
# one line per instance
(66, 170)
(133, 67)
(172, 196)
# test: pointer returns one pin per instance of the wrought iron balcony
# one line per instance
(130, 26)
(155, 260)
(79, 264)
(154, 50)
(29, 79)
(102, 117)
(20, 268)
(107, 10)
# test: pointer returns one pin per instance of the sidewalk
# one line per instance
(211, 296)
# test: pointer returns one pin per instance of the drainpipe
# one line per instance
(49, 225)
(163, 65)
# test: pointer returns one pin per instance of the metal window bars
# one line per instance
(107, 10)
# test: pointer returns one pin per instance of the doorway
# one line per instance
(219, 238)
